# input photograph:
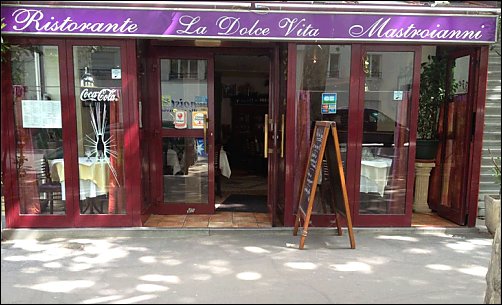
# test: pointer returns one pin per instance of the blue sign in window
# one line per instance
(328, 103)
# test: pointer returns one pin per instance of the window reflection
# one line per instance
(39, 134)
(322, 69)
(384, 157)
(99, 107)
(183, 93)
(185, 170)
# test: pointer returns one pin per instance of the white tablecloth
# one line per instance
(172, 160)
(374, 175)
(224, 165)
(88, 189)
(91, 171)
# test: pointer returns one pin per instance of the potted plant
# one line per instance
(492, 202)
(433, 93)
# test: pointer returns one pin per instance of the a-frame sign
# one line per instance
(324, 143)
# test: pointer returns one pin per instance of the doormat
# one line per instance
(244, 203)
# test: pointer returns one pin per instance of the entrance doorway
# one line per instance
(211, 142)
(241, 105)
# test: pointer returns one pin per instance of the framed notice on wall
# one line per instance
(41, 114)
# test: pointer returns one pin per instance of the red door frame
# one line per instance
(12, 197)
(290, 194)
(274, 182)
(478, 67)
(481, 76)
(354, 141)
(160, 52)
(72, 217)
(403, 220)
(157, 51)
(131, 140)
(274, 110)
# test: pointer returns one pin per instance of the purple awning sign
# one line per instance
(336, 26)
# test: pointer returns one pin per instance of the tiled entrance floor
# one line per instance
(261, 220)
(217, 220)
(430, 220)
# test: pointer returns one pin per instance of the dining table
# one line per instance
(93, 176)
(374, 175)
(172, 161)
(224, 164)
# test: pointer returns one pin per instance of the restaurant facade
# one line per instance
(111, 114)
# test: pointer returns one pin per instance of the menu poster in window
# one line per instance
(41, 114)
(324, 144)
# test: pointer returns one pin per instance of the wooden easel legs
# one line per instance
(338, 228)
(304, 232)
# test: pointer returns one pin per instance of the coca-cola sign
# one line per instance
(89, 95)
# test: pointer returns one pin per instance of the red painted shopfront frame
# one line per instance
(152, 128)
(152, 108)
(355, 134)
(131, 119)
(402, 220)
(72, 217)
(355, 128)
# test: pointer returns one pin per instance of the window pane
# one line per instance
(184, 97)
(323, 81)
(185, 170)
(39, 134)
(461, 75)
(100, 128)
(325, 69)
(387, 100)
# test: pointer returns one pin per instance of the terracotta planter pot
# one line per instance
(492, 213)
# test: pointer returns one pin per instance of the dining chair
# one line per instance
(95, 205)
(52, 189)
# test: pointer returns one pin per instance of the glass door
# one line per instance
(70, 176)
(37, 101)
(185, 140)
(97, 177)
(387, 93)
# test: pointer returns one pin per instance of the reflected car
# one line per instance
(378, 128)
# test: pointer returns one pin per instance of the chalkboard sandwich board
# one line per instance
(324, 144)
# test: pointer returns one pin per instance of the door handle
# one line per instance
(282, 136)
(204, 124)
(265, 137)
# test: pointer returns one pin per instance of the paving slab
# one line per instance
(446, 266)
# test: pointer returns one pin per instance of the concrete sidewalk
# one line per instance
(248, 266)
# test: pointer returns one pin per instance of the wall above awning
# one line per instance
(254, 23)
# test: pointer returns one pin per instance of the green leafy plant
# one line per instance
(433, 93)
(5, 45)
(496, 170)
